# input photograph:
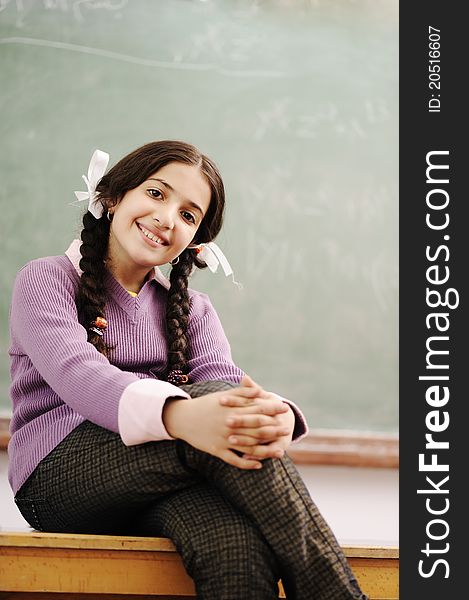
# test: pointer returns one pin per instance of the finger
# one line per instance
(241, 396)
(261, 452)
(272, 407)
(247, 381)
(245, 392)
(243, 440)
(250, 420)
(261, 406)
(262, 434)
(236, 401)
(250, 457)
(238, 461)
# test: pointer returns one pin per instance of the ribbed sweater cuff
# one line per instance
(140, 414)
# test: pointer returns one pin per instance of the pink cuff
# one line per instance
(301, 429)
(140, 415)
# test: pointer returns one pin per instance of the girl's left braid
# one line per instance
(91, 293)
(177, 319)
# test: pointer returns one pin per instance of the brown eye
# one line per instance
(188, 216)
(155, 193)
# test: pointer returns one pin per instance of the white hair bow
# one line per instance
(96, 170)
(212, 256)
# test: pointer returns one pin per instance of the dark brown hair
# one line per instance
(130, 172)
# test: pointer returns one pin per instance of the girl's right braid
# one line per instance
(177, 318)
(91, 293)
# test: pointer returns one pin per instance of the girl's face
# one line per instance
(156, 221)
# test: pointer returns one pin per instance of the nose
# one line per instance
(164, 216)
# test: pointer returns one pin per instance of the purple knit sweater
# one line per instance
(60, 380)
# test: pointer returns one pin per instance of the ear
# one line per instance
(110, 204)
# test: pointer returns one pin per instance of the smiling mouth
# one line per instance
(151, 236)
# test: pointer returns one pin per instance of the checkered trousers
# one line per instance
(238, 531)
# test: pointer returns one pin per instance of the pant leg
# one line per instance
(313, 566)
(222, 550)
(92, 483)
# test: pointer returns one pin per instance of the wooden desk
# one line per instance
(88, 567)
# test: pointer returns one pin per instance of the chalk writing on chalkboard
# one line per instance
(77, 8)
(145, 62)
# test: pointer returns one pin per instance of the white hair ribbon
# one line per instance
(212, 256)
(96, 170)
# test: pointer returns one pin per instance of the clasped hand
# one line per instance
(241, 425)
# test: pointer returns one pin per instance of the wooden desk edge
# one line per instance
(38, 539)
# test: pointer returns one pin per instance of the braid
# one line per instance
(177, 315)
(91, 293)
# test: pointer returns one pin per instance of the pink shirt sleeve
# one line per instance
(141, 412)
(141, 406)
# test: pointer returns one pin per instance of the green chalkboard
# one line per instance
(296, 100)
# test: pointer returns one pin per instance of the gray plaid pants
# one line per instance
(238, 531)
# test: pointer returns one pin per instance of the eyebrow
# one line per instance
(190, 202)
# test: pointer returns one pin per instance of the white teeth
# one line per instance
(150, 235)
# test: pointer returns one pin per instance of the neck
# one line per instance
(133, 282)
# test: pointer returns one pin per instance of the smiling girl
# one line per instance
(129, 415)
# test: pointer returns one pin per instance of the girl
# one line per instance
(129, 416)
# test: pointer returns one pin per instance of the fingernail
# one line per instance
(233, 440)
(258, 466)
(230, 421)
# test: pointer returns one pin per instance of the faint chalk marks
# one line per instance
(384, 280)
(255, 6)
(66, 5)
(278, 192)
(275, 116)
(352, 129)
(342, 123)
(319, 235)
(242, 48)
(110, 5)
(75, 7)
(137, 60)
(283, 116)
(307, 125)
(368, 206)
(277, 258)
(249, 9)
(377, 110)
(210, 41)
(221, 41)
(363, 256)
(18, 3)
(275, 215)
(374, 269)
